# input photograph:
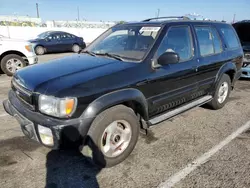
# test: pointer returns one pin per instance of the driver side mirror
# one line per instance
(48, 39)
(168, 58)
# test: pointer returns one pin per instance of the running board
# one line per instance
(179, 110)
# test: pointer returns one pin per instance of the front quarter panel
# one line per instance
(109, 100)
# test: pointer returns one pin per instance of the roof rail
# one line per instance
(159, 18)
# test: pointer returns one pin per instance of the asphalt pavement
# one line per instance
(170, 148)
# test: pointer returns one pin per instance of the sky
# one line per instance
(128, 10)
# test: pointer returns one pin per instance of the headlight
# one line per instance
(29, 48)
(58, 107)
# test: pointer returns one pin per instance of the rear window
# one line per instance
(230, 36)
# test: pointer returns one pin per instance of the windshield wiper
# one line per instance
(88, 52)
(115, 56)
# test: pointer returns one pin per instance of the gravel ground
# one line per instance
(168, 148)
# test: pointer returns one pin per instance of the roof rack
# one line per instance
(168, 17)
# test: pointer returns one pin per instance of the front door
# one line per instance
(54, 43)
(172, 85)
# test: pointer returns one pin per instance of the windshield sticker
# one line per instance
(151, 29)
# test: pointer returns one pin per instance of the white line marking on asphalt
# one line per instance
(5, 81)
(173, 180)
(2, 115)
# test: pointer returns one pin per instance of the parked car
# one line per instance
(106, 95)
(243, 30)
(57, 41)
(15, 54)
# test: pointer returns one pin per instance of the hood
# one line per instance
(35, 40)
(246, 46)
(53, 76)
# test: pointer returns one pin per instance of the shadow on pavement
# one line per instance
(70, 168)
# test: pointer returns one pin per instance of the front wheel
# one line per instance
(11, 63)
(222, 93)
(112, 136)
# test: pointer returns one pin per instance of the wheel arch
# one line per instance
(132, 98)
(229, 69)
(12, 52)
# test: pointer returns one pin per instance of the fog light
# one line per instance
(46, 135)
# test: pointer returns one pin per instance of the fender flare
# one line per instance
(226, 68)
(108, 100)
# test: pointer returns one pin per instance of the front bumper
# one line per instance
(32, 60)
(246, 72)
(29, 120)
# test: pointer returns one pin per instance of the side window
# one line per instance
(177, 39)
(50, 37)
(56, 37)
(65, 37)
(230, 37)
(205, 40)
(217, 41)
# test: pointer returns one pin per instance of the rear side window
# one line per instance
(205, 39)
(230, 37)
(216, 40)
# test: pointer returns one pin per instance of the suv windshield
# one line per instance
(125, 41)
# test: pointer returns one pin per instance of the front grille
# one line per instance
(22, 94)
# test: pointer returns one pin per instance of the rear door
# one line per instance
(67, 41)
(211, 56)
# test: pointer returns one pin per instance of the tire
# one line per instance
(94, 144)
(217, 103)
(39, 50)
(76, 48)
(11, 63)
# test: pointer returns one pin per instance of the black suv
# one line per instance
(133, 76)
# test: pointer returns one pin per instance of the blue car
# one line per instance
(57, 41)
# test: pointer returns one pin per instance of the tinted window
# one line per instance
(65, 36)
(230, 36)
(177, 39)
(56, 36)
(205, 40)
(217, 41)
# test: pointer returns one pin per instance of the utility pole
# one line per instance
(234, 18)
(78, 14)
(158, 13)
(37, 10)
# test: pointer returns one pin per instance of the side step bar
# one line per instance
(179, 110)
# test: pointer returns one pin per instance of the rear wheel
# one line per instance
(222, 93)
(112, 136)
(11, 63)
(39, 50)
(76, 48)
